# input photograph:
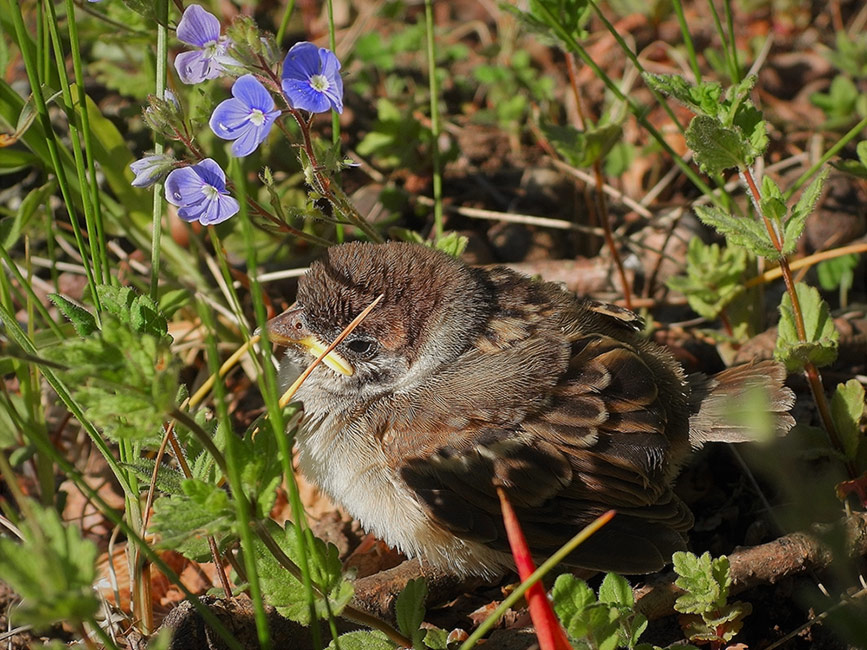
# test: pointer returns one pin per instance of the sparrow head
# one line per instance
(432, 309)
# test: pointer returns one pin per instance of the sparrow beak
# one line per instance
(289, 329)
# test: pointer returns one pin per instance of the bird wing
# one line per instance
(569, 429)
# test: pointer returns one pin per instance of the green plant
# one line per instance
(707, 617)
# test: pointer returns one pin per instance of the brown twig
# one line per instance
(788, 556)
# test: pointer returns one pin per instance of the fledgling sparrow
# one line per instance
(462, 379)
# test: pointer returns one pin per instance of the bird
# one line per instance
(464, 380)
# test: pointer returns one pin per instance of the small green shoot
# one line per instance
(714, 277)
(598, 622)
(707, 616)
(819, 346)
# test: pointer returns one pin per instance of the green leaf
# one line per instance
(261, 471)
(820, 347)
(803, 209)
(582, 148)
(34, 202)
(713, 277)
(837, 272)
(436, 639)
(847, 409)
(410, 608)
(570, 596)
(452, 243)
(362, 640)
(717, 147)
(82, 320)
(705, 581)
(286, 593)
(740, 231)
(615, 590)
(703, 98)
(168, 480)
(52, 570)
(184, 522)
(139, 311)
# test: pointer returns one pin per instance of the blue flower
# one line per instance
(200, 193)
(151, 169)
(247, 117)
(311, 79)
(201, 29)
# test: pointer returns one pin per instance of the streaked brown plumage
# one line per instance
(467, 378)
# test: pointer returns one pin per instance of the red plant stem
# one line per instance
(814, 378)
(548, 629)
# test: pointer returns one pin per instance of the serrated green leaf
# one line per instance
(286, 593)
(699, 579)
(410, 608)
(570, 596)
(820, 347)
(717, 147)
(363, 640)
(803, 208)
(704, 98)
(752, 125)
(452, 243)
(713, 277)
(183, 522)
(168, 480)
(847, 409)
(739, 231)
(615, 590)
(53, 570)
(82, 320)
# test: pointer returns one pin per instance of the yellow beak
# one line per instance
(289, 329)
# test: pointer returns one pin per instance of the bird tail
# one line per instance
(744, 403)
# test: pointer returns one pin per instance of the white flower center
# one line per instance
(257, 117)
(319, 82)
(211, 193)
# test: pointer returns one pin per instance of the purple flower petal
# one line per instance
(198, 27)
(211, 173)
(200, 194)
(218, 210)
(246, 118)
(302, 95)
(311, 79)
(302, 61)
(196, 66)
(250, 90)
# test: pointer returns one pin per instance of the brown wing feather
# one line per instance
(565, 450)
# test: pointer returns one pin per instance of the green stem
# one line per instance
(51, 139)
(243, 510)
(687, 40)
(162, 11)
(434, 119)
(92, 185)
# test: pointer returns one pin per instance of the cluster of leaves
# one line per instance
(121, 368)
(598, 621)
(706, 614)
(727, 130)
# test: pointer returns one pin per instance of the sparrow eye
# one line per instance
(363, 347)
